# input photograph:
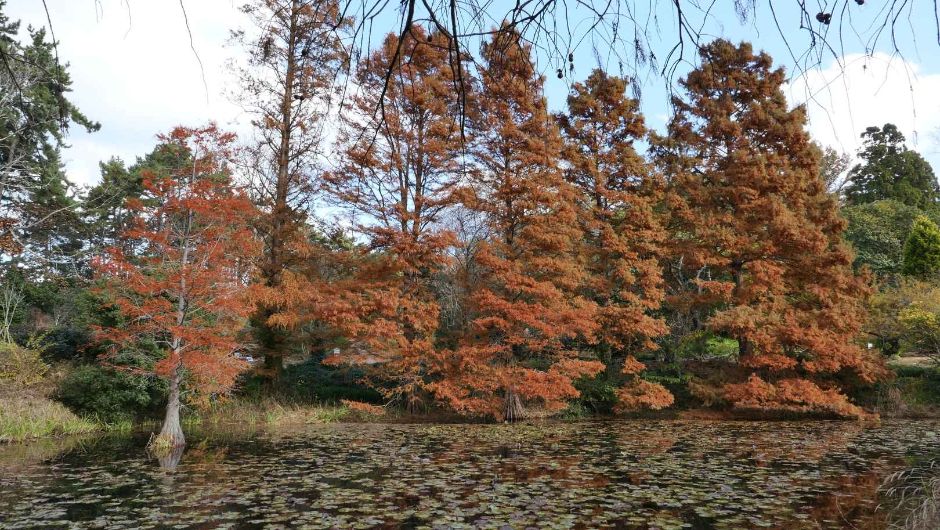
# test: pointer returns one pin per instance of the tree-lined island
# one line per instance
(414, 296)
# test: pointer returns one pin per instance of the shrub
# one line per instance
(364, 409)
(703, 345)
(312, 382)
(598, 394)
(21, 366)
(921, 255)
(110, 395)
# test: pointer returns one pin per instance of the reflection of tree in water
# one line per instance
(851, 501)
(912, 497)
(170, 458)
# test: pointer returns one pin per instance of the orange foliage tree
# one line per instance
(622, 234)
(755, 228)
(295, 53)
(184, 290)
(401, 157)
(527, 311)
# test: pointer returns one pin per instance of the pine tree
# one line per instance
(527, 313)
(755, 228)
(622, 235)
(922, 249)
(38, 221)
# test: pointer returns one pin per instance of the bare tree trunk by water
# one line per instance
(514, 409)
(171, 435)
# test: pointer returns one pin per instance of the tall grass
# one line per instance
(25, 418)
(269, 412)
(913, 497)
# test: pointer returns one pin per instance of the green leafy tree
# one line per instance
(891, 171)
(920, 325)
(922, 249)
(884, 325)
(877, 232)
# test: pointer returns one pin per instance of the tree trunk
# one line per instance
(273, 366)
(514, 409)
(744, 347)
(171, 435)
(281, 212)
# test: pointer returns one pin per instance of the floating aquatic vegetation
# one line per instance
(638, 474)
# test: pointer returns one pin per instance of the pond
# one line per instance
(628, 474)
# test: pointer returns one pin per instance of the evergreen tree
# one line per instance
(38, 223)
(891, 171)
(922, 248)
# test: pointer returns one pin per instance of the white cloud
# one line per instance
(842, 100)
(137, 75)
(133, 70)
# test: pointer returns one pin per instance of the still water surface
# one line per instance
(632, 474)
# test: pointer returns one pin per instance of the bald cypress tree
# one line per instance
(756, 230)
(527, 311)
(617, 192)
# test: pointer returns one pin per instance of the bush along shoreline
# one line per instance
(39, 401)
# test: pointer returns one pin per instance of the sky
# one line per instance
(135, 71)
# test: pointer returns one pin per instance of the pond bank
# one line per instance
(914, 393)
(28, 419)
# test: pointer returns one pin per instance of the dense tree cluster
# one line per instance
(488, 257)
(584, 250)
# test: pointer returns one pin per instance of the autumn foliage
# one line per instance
(184, 288)
(528, 312)
(622, 234)
(287, 85)
(496, 259)
(756, 228)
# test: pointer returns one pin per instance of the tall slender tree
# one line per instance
(295, 53)
(184, 291)
(622, 234)
(397, 176)
(754, 225)
(528, 313)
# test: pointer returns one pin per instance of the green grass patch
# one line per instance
(26, 418)
(914, 392)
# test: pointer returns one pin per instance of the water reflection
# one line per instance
(664, 474)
